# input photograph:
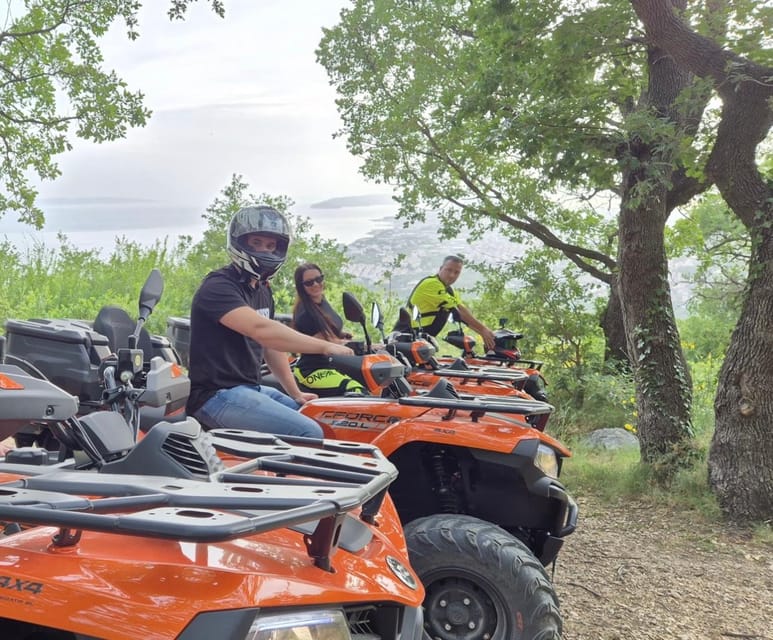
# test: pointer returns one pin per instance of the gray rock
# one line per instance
(612, 439)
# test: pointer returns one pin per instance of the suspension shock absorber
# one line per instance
(449, 501)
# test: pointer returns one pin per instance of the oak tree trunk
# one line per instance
(741, 454)
(611, 323)
(663, 385)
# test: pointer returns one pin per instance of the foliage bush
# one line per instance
(705, 374)
(618, 475)
(66, 282)
(608, 401)
(559, 323)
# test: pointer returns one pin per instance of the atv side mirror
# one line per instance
(415, 320)
(376, 319)
(404, 318)
(149, 297)
(353, 310)
(455, 315)
(151, 293)
(502, 323)
(354, 313)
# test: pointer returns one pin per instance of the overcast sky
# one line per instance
(243, 94)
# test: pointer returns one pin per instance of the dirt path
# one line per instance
(643, 572)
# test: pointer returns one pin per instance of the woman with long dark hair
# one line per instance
(313, 315)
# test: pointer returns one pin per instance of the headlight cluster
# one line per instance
(327, 624)
(547, 461)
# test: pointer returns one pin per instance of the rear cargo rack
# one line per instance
(321, 481)
(479, 405)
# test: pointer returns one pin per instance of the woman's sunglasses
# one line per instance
(318, 280)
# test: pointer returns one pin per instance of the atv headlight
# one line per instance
(328, 624)
(547, 461)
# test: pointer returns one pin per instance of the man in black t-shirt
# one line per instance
(233, 331)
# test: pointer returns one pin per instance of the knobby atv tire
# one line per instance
(481, 582)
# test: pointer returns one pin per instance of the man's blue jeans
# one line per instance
(256, 408)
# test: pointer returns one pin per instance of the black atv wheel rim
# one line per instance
(459, 606)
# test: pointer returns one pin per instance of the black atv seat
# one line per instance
(116, 325)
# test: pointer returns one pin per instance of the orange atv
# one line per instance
(295, 539)
(79, 357)
(505, 353)
(419, 348)
(478, 493)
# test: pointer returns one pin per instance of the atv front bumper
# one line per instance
(513, 492)
(565, 523)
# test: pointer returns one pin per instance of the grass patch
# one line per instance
(609, 475)
(616, 477)
(612, 476)
(764, 533)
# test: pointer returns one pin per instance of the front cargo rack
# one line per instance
(305, 483)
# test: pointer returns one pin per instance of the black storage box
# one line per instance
(67, 352)
(164, 349)
(178, 330)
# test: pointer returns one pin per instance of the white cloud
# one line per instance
(242, 95)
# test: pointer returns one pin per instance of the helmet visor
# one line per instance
(260, 219)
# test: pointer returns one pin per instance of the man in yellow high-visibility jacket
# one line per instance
(435, 298)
